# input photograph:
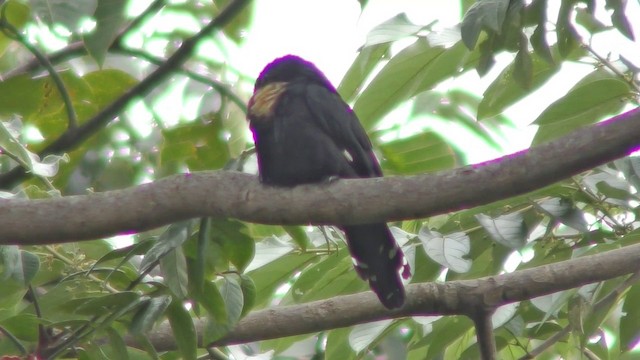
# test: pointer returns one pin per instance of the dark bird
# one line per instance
(305, 133)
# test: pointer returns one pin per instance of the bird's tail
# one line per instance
(379, 260)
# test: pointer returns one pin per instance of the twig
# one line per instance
(610, 66)
(78, 49)
(68, 262)
(218, 86)
(151, 10)
(14, 340)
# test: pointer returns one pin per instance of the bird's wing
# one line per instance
(337, 119)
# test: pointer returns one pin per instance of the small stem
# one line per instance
(610, 66)
(67, 261)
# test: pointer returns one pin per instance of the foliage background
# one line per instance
(121, 133)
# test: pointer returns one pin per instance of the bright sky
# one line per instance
(330, 32)
(327, 33)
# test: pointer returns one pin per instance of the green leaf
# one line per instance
(117, 344)
(21, 95)
(615, 189)
(337, 345)
(23, 326)
(417, 68)
(233, 238)
(248, 293)
(15, 13)
(280, 345)
(450, 251)
(119, 173)
(504, 91)
(564, 210)
(536, 13)
(458, 111)
(231, 292)
(486, 60)
(17, 266)
(100, 304)
(67, 13)
(149, 313)
(107, 85)
(50, 116)
(421, 153)
(239, 24)
(200, 146)
(298, 235)
(196, 269)
(126, 253)
(508, 230)
(109, 16)
(368, 58)
(453, 326)
(587, 19)
(523, 71)
(316, 276)
(565, 31)
(590, 100)
(10, 145)
(184, 331)
(174, 272)
(363, 335)
(336, 280)
(278, 267)
(233, 300)
(629, 330)
(397, 28)
(212, 301)
(619, 19)
(484, 14)
(175, 235)
(630, 167)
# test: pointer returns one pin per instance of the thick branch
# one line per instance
(450, 298)
(230, 194)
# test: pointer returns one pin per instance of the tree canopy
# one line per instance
(133, 229)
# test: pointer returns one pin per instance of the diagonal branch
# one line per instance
(78, 49)
(237, 195)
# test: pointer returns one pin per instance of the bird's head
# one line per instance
(289, 69)
(276, 77)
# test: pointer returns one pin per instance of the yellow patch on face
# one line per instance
(264, 100)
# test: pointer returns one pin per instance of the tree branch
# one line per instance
(484, 334)
(450, 298)
(241, 196)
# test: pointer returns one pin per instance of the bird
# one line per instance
(305, 133)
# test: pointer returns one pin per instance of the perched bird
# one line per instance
(305, 133)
